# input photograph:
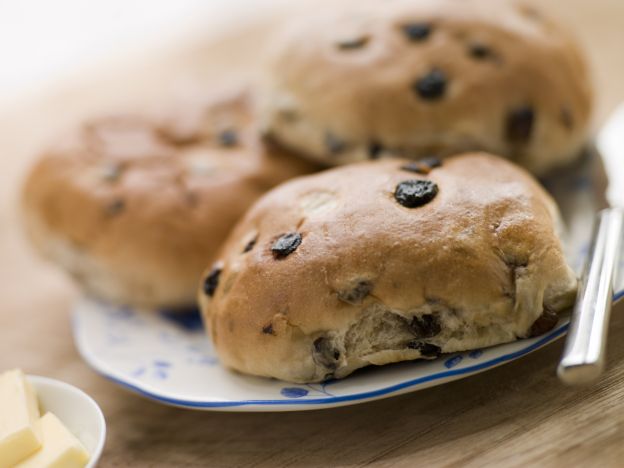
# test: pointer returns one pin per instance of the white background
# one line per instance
(45, 41)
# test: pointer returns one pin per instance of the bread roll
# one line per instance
(416, 78)
(386, 261)
(134, 206)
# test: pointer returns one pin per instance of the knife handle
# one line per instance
(583, 355)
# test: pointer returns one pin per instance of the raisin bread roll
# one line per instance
(419, 77)
(385, 261)
(133, 206)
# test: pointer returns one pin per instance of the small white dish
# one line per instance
(77, 410)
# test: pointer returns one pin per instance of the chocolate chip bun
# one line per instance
(386, 261)
(420, 77)
(134, 206)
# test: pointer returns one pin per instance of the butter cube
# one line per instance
(60, 448)
(19, 413)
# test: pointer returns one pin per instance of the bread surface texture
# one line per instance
(386, 261)
(134, 205)
(412, 78)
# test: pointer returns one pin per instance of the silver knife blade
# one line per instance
(583, 357)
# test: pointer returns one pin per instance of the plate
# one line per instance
(167, 357)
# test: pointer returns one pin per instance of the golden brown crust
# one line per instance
(373, 281)
(418, 77)
(134, 206)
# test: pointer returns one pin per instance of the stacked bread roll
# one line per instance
(420, 243)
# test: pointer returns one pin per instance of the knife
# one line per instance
(584, 352)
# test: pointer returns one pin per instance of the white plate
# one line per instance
(167, 357)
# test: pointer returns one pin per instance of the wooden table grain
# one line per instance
(515, 415)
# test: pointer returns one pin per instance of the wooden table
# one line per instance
(514, 415)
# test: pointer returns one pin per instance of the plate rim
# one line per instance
(453, 374)
(328, 401)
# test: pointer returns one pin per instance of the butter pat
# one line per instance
(19, 412)
(60, 448)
